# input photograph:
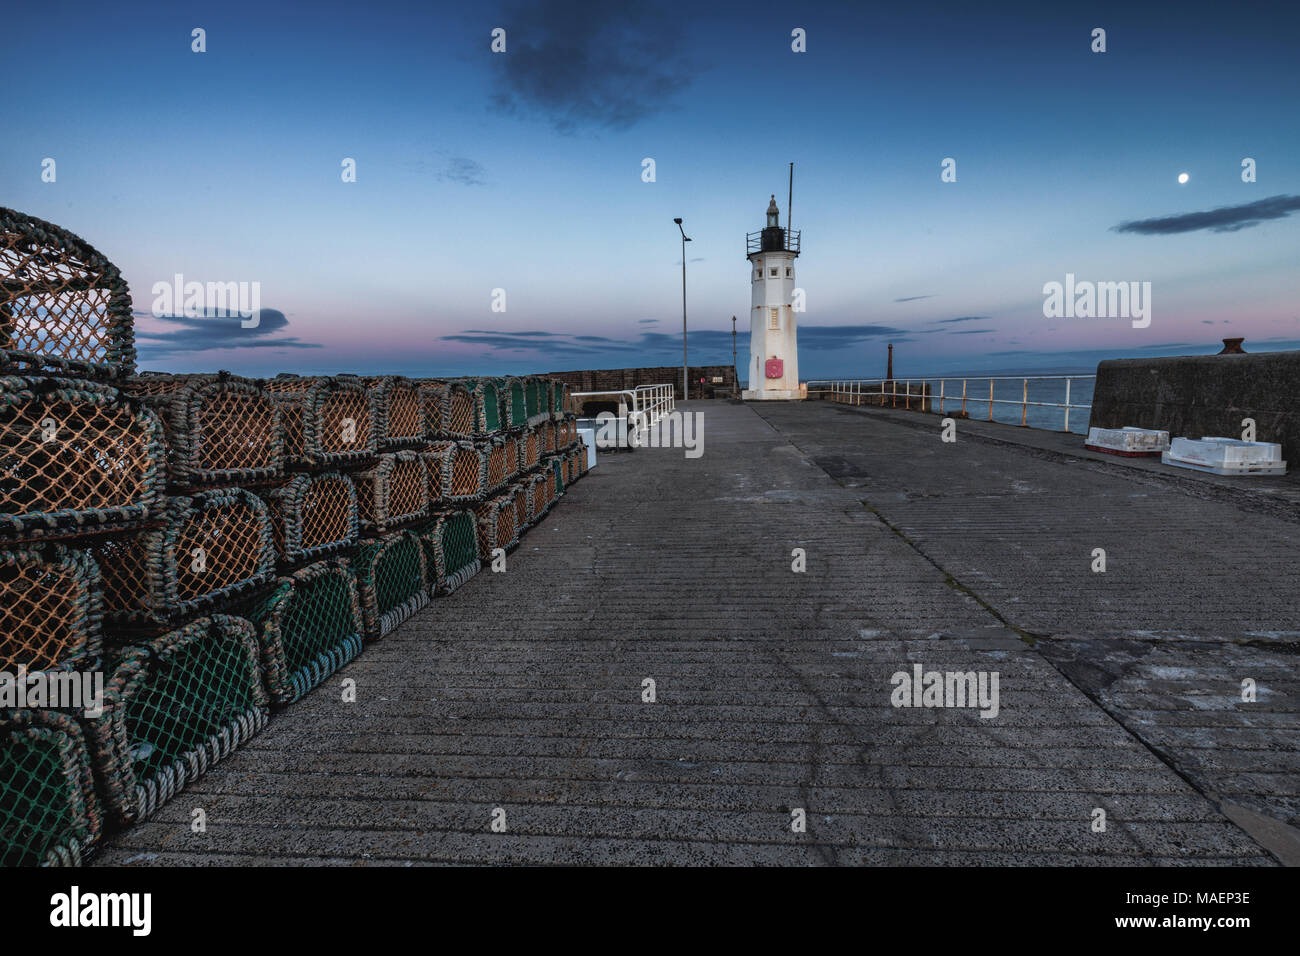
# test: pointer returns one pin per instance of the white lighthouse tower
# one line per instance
(773, 349)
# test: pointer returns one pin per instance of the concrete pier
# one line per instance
(1119, 691)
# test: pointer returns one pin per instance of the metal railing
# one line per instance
(789, 241)
(900, 393)
(645, 405)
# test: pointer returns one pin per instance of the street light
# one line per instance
(685, 239)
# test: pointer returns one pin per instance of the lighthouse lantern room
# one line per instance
(773, 349)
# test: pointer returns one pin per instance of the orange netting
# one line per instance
(50, 609)
(326, 420)
(313, 515)
(216, 545)
(220, 428)
(457, 472)
(61, 298)
(532, 450)
(399, 410)
(75, 457)
(394, 492)
(495, 450)
(496, 525)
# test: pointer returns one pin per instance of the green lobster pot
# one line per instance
(49, 813)
(173, 707)
(392, 581)
(308, 628)
(515, 400)
(450, 544)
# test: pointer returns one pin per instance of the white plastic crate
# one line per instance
(1128, 440)
(588, 435)
(1226, 456)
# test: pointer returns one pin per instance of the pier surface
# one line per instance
(1119, 691)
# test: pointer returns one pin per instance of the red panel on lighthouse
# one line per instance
(775, 368)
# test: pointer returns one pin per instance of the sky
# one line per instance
(523, 171)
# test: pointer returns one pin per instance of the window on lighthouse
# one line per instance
(772, 272)
(774, 318)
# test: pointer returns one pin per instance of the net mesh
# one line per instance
(522, 505)
(510, 446)
(215, 545)
(458, 471)
(535, 405)
(532, 450)
(394, 492)
(327, 421)
(538, 497)
(515, 403)
(172, 708)
(60, 298)
(309, 627)
(458, 411)
(49, 814)
(399, 410)
(392, 580)
(450, 543)
(496, 525)
(50, 609)
(431, 396)
(495, 452)
(221, 429)
(548, 438)
(487, 408)
(313, 515)
(75, 457)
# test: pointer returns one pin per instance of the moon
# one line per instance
(1183, 177)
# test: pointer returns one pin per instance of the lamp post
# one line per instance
(685, 381)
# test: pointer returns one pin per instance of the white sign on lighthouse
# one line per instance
(773, 349)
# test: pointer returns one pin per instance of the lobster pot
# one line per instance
(450, 542)
(566, 432)
(531, 446)
(399, 411)
(537, 400)
(555, 476)
(510, 449)
(75, 457)
(221, 429)
(497, 526)
(582, 457)
(539, 497)
(494, 451)
(488, 419)
(431, 391)
(215, 546)
(392, 581)
(172, 708)
(313, 516)
(570, 467)
(308, 628)
(50, 609)
(518, 495)
(459, 411)
(61, 300)
(547, 431)
(458, 471)
(561, 399)
(394, 492)
(327, 421)
(49, 812)
(515, 402)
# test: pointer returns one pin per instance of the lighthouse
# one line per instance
(773, 348)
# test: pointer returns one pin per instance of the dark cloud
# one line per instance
(971, 332)
(217, 332)
(964, 318)
(460, 169)
(647, 321)
(913, 298)
(589, 62)
(1222, 219)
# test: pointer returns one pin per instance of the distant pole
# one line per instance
(789, 208)
(685, 380)
(889, 373)
(735, 369)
